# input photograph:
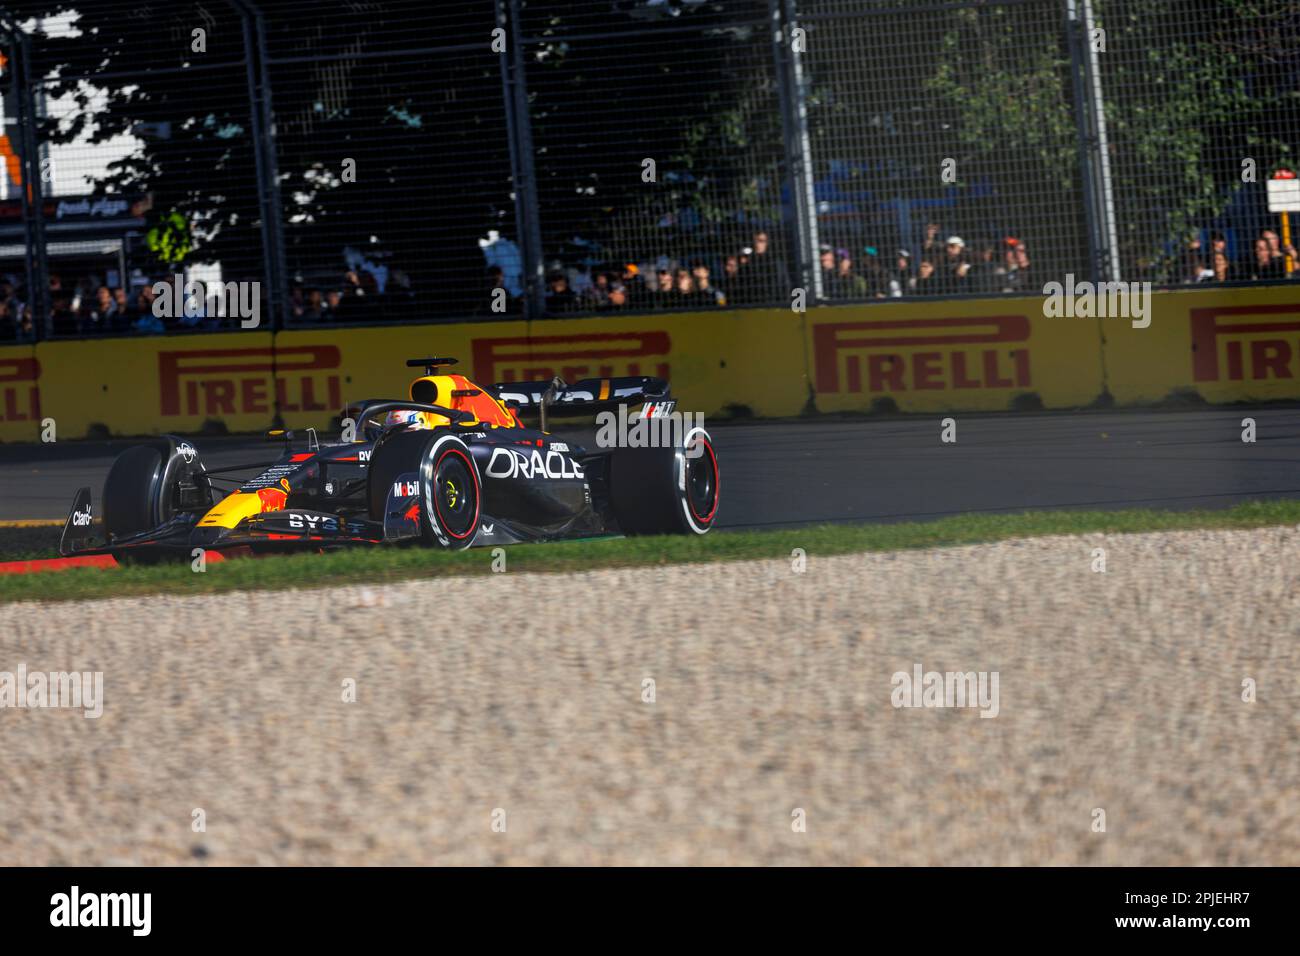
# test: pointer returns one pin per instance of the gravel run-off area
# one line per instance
(506, 719)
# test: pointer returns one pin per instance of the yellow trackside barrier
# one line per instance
(712, 360)
(1228, 345)
(918, 355)
(20, 396)
(951, 355)
(139, 386)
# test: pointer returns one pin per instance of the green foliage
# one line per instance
(170, 240)
(1177, 107)
(1012, 97)
(1189, 92)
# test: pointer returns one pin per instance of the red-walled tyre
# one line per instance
(450, 490)
(668, 490)
(453, 494)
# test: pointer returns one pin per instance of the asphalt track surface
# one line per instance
(787, 474)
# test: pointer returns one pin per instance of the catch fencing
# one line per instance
(377, 161)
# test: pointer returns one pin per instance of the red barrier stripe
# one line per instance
(57, 564)
(86, 561)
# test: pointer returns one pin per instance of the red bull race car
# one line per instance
(451, 466)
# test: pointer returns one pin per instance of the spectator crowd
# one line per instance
(755, 274)
(942, 264)
(89, 307)
(1265, 260)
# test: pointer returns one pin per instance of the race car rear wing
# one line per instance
(589, 396)
(586, 397)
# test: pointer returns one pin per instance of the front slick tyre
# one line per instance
(452, 492)
(133, 492)
(670, 490)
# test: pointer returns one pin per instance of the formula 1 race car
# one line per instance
(450, 467)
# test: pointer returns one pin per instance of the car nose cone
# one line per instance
(206, 537)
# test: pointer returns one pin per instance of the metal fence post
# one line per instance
(1094, 153)
(34, 195)
(520, 133)
(798, 146)
(268, 176)
(36, 253)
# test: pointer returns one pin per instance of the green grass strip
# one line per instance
(394, 563)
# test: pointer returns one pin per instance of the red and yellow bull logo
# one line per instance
(272, 499)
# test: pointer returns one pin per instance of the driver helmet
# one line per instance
(414, 420)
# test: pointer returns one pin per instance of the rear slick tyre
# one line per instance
(669, 490)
